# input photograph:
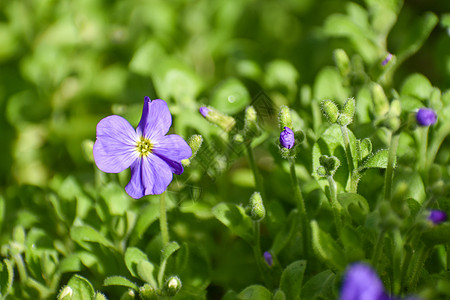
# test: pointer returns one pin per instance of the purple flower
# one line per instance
(287, 138)
(437, 216)
(426, 117)
(204, 111)
(387, 59)
(362, 283)
(151, 154)
(268, 258)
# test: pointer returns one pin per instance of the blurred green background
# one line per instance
(64, 65)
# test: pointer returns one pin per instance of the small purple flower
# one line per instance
(437, 216)
(204, 111)
(151, 154)
(387, 59)
(268, 258)
(362, 283)
(426, 117)
(287, 138)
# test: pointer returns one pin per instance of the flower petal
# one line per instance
(361, 282)
(172, 149)
(155, 120)
(115, 147)
(149, 176)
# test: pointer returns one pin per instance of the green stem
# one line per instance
(397, 262)
(335, 206)
(422, 159)
(378, 249)
(389, 175)
(348, 153)
(21, 268)
(436, 143)
(256, 175)
(416, 266)
(163, 220)
(301, 207)
(263, 270)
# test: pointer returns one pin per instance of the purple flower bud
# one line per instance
(426, 117)
(361, 282)
(387, 59)
(268, 258)
(287, 138)
(437, 216)
(204, 111)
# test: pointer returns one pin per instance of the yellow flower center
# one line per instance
(144, 147)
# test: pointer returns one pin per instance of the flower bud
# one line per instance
(223, 121)
(268, 258)
(250, 126)
(99, 296)
(88, 150)
(173, 286)
(129, 295)
(347, 113)
(380, 101)
(255, 208)
(195, 142)
(426, 117)
(437, 216)
(287, 138)
(342, 61)
(147, 292)
(330, 110)
(284, 117)
(279, 295)
(65, 294)
(387, 59)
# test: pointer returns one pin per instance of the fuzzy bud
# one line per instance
(146, 291)
(279, 295)
(128, 295)
(250, 125)
(328, 165)
(173, 286)
(347, 113)
(222, 120)
(284, 117)
(380, 101)
(268, 258)
(330, 110)
(342, 61)
(437, 216)
(387, 59)
(255, 208)
(65, 294)
(99, 296)
(195, 142)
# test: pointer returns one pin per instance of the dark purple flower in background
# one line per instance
(361, 282)
(387, 59)
(268, 258)
(204, 111)
(151, 154)
(426, 117)
(287, 138)
(437, 216)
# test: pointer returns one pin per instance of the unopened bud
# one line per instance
(287, 138)
(255, 208)
(268, 258)
(147, 292)
(279, 295)
(250, 126)
(223, 121)
(330, 110)
(328, 165)
(387, 59)
(342, 61)
(380, 101)
(129, 295)
(173, 286)
(347, 113)
(99, 296)
(65, 294)
(426, 117)
(284, 117)
(437, 216)
(195, 142)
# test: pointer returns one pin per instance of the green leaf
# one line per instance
(234, 217)
(326, 248)
(285, 234)
(145, 271)
(321, 285)
(168, 250)
(99, 296)
(353, 242)
(81, 288)
(416, 85)
(147, 216)
(355, 205)
(115, 198)
(438, 234)
(132, 257)
(6, 277)
(377, 160)
(329, 85)
(84, 233)
(416, 35)
(121, 281)
(292, 278)
(230, 97)
(255, 292)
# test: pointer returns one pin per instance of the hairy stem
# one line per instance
(348, 153)
(256, 175)
(378, 249)
(389, 175)
(335, 206)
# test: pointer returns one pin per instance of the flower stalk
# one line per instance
(163, 220)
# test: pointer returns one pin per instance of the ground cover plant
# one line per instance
(194, 149)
